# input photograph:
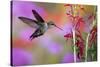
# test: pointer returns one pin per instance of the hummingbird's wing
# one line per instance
(37, 16)
(30, 22)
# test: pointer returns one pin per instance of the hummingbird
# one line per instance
(39, 24)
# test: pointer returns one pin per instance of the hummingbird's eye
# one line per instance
(52, 24)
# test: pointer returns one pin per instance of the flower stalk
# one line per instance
(73, 31)
(87, 39)
(86, 47)
(81, 49)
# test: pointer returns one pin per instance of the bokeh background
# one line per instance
(51, 48)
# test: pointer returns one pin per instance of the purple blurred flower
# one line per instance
(26, 33)
(51, 46)
(67, 28)
(21, 57)
(54, 48)
(24, 8)
(69, 58)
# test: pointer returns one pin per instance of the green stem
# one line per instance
(74, 45)
(86, 47)
(73, 31)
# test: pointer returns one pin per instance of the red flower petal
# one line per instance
(93, 35)
(91, 17)
(68, 5)
(68, 35)
(81, 50)
(78, 55)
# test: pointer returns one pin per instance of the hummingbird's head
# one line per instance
(51, 24)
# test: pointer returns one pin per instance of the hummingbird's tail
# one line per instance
(32, 36)
(36, 34)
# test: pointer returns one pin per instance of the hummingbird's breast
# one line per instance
(44, 28)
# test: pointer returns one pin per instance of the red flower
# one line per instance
(79, 20)
(80, 46)
(91, 17)
(82, 8)
(93, 35)
(71, 16)
(79, 43)
(79, 37)
(68, 5)
(69, 35)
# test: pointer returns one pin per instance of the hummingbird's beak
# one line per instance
(58, 27)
